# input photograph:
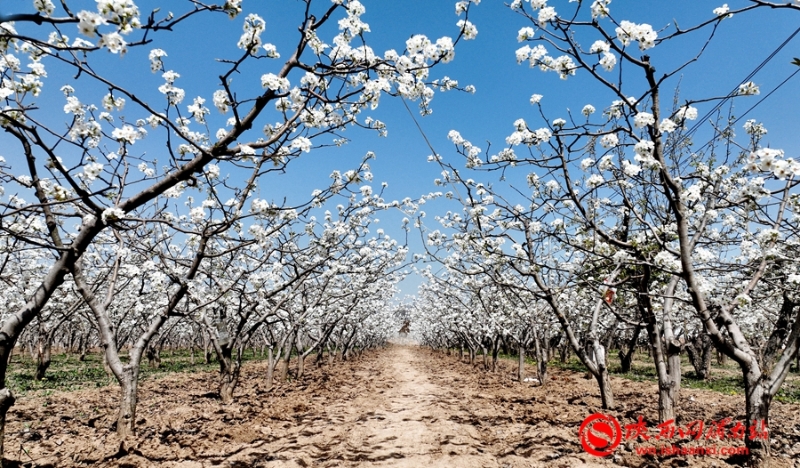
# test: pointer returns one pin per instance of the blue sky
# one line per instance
(488, 63)
(504, 87)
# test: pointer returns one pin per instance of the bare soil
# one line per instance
(402, 406)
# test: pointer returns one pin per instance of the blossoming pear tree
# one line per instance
(76, 183)
(625, 198)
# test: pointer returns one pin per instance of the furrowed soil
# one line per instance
(403, 406)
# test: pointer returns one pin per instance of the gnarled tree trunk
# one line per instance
(541, 358)
(601, 375)
(270, 378)
(126, 419)
(6, 401)
(626, 356)
(757, 403)
(700, 349)
(42, 357)
(229, 369)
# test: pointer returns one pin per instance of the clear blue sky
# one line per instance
(488, 63)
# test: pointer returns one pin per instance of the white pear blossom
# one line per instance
(608, 61)
(301, 143)
(609, 140)
(687, 113)
(468, 30)
(600, 9)
(667, 126)
(44, 6)
(642, 33)
(156, 63)
(749, 89)
(274, 82)
(546, 15)
(91, 171)
(525, 34)
(594, 181)
(112, 214)
(630, 170)
(722, 11)
(643, 119)
(599, 47)
(198, 111)
(644, 148)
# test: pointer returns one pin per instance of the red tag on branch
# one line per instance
(609, 296)
(610, 293)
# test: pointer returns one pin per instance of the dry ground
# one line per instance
(403, 406)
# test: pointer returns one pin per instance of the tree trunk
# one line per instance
(270, 368)
(665, 371)
(699, 350)
(42, 357)
(563, 353)
(106, 367)
(6, 401)
(674, 370)
(495, 352)
(153, 357)
(626, 360)
(283, 371)
(287, 356)
(606, 394)
(664, 346)
(301, 364)
(229, 373)
(7, 398)
(126, 421)
(320, 355)
(521, 363)
(228, 384)
(541, 358)
(206, 348)
(541, 370)
(626, 357)
(83, 346)
(31, 348)
(757, 403)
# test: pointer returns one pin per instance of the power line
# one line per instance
(735, 91)
(767, 95)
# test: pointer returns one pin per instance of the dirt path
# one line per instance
(401, 419)
(404, 406)
(407, 410)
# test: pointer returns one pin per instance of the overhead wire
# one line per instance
(686, 134)
(735, 91)
(435, 155)
(744, 114)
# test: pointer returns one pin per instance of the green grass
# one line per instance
(68, 373)
(789, 392)
(725, 379)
